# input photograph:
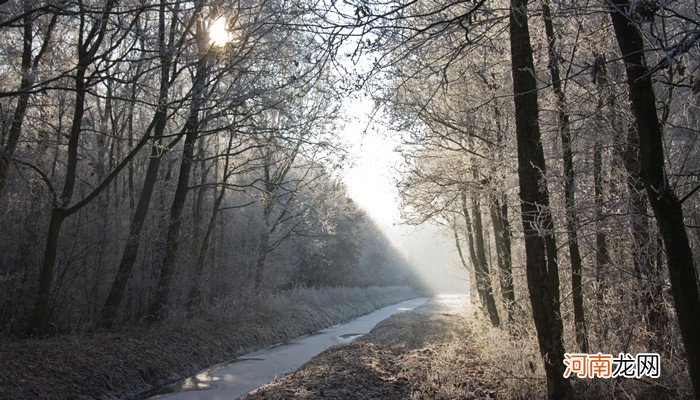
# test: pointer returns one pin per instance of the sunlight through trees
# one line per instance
(157, 156)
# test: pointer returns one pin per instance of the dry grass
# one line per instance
(513, 359)
(447, 351)
(134, 362)
(422, 354)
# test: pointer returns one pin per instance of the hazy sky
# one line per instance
(371, 182)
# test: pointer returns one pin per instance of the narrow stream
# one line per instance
(248, 372)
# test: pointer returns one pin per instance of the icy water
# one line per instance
(248, 372)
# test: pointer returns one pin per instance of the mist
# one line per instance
(371, 178)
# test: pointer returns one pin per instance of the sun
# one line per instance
(218, 34)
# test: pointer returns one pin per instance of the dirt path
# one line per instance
(421, 354)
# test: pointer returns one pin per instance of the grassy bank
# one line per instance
(426, 354)
(512, 358)
(132, 363)
(447, 349)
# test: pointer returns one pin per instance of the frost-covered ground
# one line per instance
(232, 380)
(134, 362)
(443, 350)
(423, 354)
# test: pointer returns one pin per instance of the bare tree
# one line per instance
(667, 207)
(30, 62)
(156, 131)
(89, 42)
(569, 181)
(540, 244)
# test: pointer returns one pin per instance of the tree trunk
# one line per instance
(569, 183)
(167, 270)
(22, 101)
(501, 233)
(644, 251)
(29, 65)
(194, 296)
(540, 243)
(470, 271)
(259, 273)
(667, 208)
(133, 241)
(40, 311)
(172, 242)
(472, 252)
(602, 258)
(481, 272)
(198, 206)
(270, 187)
(644, 254)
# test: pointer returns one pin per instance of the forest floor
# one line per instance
(428, 353)
(133, 362)
(446, 349)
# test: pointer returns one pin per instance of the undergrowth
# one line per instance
(512, 357)
(133, 362)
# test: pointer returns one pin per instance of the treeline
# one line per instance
(147, 165)
(557, 143)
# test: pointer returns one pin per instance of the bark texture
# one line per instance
(572, 221)
(667, 208)
(481, 269)
(540, 243)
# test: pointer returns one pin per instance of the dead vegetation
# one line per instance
(511, 358)
(423, 354)
(135, 361)
(447, 350)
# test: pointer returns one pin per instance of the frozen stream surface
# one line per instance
(248, 372)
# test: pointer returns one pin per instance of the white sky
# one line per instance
(371, 183)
